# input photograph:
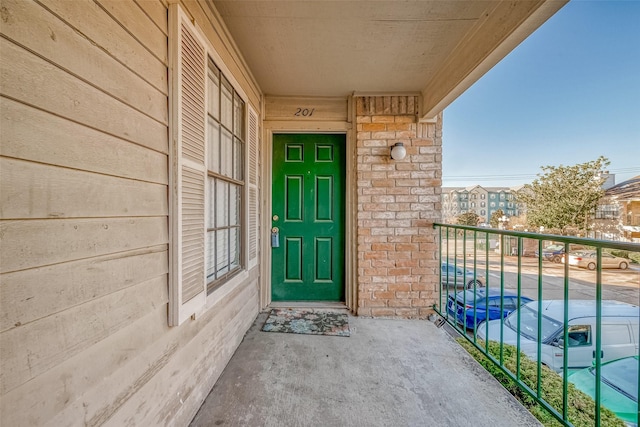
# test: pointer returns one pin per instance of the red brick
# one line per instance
(375, 255)
(383, 279)
(402, 287)
(383, 167)
(375, 143)
(384, 215)
(384, 295)
(387, 198)
(382, 231)
(405, 119)
(408, 263)
(400, 223)
(406, 199)
(405, 134)
(407, 247)
(376, 239)
(401, 127)
(375, 303)
(374, 190)
(383, 119)
(422, 287)
(374, 127)
(399, 255)
(383, 247)
(407, 215)
(400, 239)
(383, 183)
(407, 182)
(405, 166)
(399, 191)
(383, 312)
(403, 303)
(399, 271)
(374, 271)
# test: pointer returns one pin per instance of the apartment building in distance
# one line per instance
(483, 201)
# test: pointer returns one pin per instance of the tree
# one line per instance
(494, 221)
(564, 197)
(468, 218)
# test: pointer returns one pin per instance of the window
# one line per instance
(493, 196)
(483, 204)
(225, 177)
(508, 303)
(482, 196)
(607, 212)
(579, 335)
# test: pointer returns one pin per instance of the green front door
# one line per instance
(308, 213)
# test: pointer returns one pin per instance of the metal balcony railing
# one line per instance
(519, 264)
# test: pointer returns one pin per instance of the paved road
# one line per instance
(620, 285)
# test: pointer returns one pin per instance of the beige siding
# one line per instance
(84, 338)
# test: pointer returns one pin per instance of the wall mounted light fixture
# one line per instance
(398, 152)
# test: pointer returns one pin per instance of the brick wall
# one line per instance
(398, 201)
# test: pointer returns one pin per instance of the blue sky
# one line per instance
(566, 95)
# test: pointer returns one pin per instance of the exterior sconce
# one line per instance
(398, 152)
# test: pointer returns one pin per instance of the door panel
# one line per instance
(308, 210)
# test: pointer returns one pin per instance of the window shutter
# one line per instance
(254, 199)
(187, 73)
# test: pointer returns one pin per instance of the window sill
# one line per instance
(220, 292)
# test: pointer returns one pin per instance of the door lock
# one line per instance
(275, 237)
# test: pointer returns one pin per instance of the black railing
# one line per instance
(568, 277)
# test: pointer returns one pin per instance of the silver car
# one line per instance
(456, 276)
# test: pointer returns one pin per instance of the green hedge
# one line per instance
(581, 406)
(633, 256)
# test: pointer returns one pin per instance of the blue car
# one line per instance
(461, 305)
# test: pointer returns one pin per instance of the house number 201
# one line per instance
(304, 112)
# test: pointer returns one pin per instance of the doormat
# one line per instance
(315, 322)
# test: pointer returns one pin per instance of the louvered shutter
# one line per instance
(254, 199)
(187, 73)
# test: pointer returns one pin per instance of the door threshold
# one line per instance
(337, 305)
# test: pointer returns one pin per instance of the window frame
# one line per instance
(217, 175)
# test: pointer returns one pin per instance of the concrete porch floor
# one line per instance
(388, 373)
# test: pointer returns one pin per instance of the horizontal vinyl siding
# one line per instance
(84, 222)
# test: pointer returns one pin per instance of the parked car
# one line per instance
(619, 331)
(465, 304)
(552, 253)
(456, 276)
(589, 259)
(618, 387)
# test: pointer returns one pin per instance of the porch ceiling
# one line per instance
(334, 48)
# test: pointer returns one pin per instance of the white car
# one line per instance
(589, 259)
(619, 324)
